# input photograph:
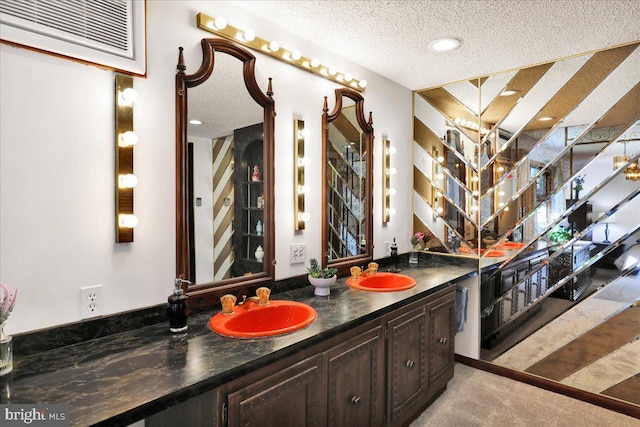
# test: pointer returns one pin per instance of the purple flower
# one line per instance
(7, 303)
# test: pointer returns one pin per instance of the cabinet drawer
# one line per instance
(292, 397)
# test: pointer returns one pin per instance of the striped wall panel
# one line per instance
(223, 207)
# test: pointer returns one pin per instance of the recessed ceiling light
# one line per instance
(195, 122)
(508, 92)
(545, 119)
(445, 44)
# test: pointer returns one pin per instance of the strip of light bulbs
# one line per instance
(248, 38)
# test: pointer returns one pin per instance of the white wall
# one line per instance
(57, 167)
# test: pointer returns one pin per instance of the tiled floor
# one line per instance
(581, 322)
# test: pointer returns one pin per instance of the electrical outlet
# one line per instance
(297, 253)
(91, 301)
(387, 248)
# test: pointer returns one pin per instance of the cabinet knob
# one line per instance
(410, 364)
(355, 400)
(442, 340)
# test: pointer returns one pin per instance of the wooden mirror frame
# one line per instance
(183, 208)
(343, 264)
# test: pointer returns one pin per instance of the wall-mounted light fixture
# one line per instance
(125, 139)
(248, 38)
(387, 190)
(437, 183)
(300, 163)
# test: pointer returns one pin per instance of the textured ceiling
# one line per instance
(391, 37)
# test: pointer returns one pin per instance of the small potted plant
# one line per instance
(559, 235)
(321, 278)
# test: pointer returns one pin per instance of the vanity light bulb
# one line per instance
(304, 216)
(332, 71)
(363, 83)
(306, 132)
(295, 55)
(474, 208)
(440, 159)
(392, 150)
(128, 139)
(391, 171)
(392, 211)
(249, 35)
(304, 161)
(127, 221)
(348, 77)
(220, 23)
(440, 176)
(303, 189)
(391, 191)
(475, 178)
(315, 62)
(475, 193)
(439, 209)
(500, 193)
(128, 96)
(127, 180)
(274, 46)
(506, 209)
(501, 169)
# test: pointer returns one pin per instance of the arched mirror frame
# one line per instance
(183, 82)
(367, 128)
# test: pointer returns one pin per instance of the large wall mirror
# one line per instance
(534, 173)
(224, 169)
(347, 143)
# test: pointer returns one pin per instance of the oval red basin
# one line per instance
(383, 282)
(255, 321)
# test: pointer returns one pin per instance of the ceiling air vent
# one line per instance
(105, 32)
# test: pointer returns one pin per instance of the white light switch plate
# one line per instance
(298, 253)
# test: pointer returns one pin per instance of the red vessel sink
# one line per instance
(255, 321)
(383, 282)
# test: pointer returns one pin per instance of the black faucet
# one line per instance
(394, 257)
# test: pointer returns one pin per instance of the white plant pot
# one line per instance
(322, 285)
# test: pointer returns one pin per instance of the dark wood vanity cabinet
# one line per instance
(382, 373)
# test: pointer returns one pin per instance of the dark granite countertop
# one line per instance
(125, 377)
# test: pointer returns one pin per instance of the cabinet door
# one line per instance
(356, 381)
(523, 283)
(441, 340)
(292, 397)
(407, 383)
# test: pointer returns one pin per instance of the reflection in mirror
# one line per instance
(347, 199)
(225, 140)
(558, 150)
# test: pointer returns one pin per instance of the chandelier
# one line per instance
(632, 172)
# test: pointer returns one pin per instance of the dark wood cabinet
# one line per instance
(407, 361)
(382, 373)
(511, 295)
(441, 340)
(565, 264)
(420, 354)
(356, 381)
